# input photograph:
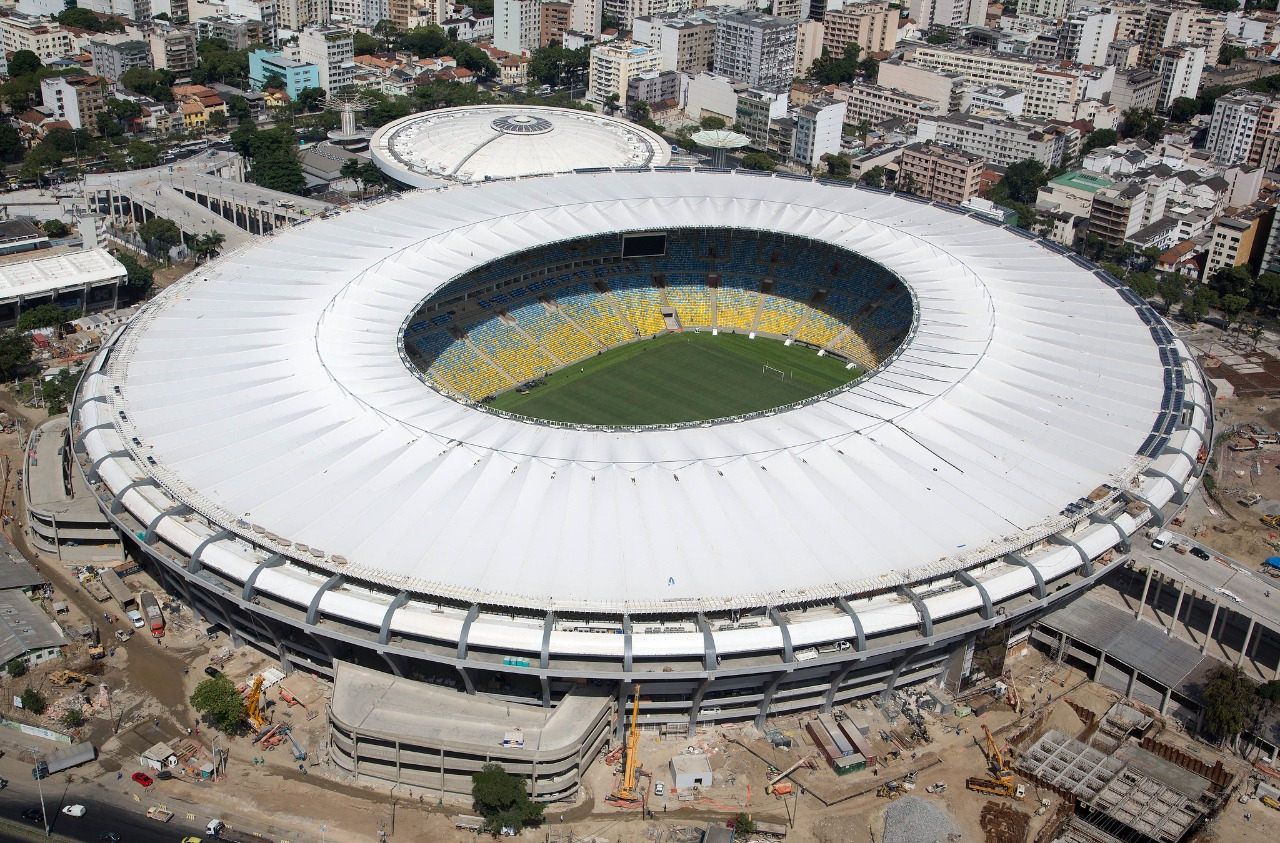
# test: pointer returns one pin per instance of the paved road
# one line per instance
(99, 816)
(1259, 594)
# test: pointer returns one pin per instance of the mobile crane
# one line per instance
(628, 791)
(775, 787)
(1001, 781)
(253, 709)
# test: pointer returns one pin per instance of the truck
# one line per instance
(151, 609)
(163, 815)
(465, 822)
(63, 759)
(219, 830)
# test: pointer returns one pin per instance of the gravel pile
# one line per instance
(911, 819)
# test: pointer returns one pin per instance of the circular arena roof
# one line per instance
(503, 141)
(268, 389)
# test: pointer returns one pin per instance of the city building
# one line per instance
(237, 30)
(1136, 88)
(627, 11)
(943, 88)
(614, 63)
(654, 86)
(756, 48)
(1240, 240)
(1165, 25)
(330, 49)
(112, 57)
(988, 98)
(553, 22)
(712, 95)
(1058, 92)
(977, 64)
(939, 172)
(516, 25)
(173, 48)
(756, 111)
(687, 42)
(18, 236)
(948, 13)
(818, 130)
(47, 39)
(875, 104)
(809, 35)
(1001, 142)
(77, 99)
(1240, 127)
(297, 74)
(871, 24)
(1085, 37)
(1179, 68)
(586, 16)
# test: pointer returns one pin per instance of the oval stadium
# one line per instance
(758, 443)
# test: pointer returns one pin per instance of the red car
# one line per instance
(142, 779)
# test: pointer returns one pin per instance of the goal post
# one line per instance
(770, 371)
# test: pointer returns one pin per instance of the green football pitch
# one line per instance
(680, 378)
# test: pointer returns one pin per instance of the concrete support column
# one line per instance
(1142, 601)
(1208, 635)
(1097, 668)
(1164, 701)
(1133, 680)
(1155, 598)
(1177, 608)
(1244, 645)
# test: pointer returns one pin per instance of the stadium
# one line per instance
(320, 442)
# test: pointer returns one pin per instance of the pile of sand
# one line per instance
(1062, 718)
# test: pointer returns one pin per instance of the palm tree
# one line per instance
(208, 245)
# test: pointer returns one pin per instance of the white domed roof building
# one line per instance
(478, 143)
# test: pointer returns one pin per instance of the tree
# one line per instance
(757, 161)
(1221, 5)
(143, 154)
(711, 123)
(273, 81)
(838, 166)
(1173, 289)
(57, 390)
(1141, 123)
(138, 284)
(72, 718)
(208, 245)
(365, 45)
(1228, 699)
(10, 142)
(1098, 139)
(1231, 280)
(217, 120)
(1022, 180)
(108, 126)
(1142, 283)
(16, 668)
(55, 228)
(23, 63)
(370, 175)
(85, 19)
(47, 315)
(938, 38)
(743, 824)
(15, 353)
(1196, 306)
(351, 170)
(1183, 109)
(238, 107)
(309, 99)
(219, 700)
(1233, 306)
(1230, 52)
(33, 701)
(160, 234)
(501, 799)
(873, 177)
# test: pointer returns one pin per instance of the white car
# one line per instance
(74, 810)
(659, 789)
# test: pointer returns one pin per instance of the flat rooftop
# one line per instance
(42, 274)
(46, 483)
(415, 711)
(1091, 182)
(24, 627)
(15, 571)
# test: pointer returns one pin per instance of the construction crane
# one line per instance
(771, 788)
(1001, 781)
(628, 792)
(253, 705)
(995, 758)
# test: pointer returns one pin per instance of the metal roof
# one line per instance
(268, 388)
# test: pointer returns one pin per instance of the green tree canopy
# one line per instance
(72, 718)
(85, 19)
(1183, 109)
(47, 315)
(58, 390)
(143, 154)
(150, 83)
(309, 99)
(1228, 698)
(873, 177)
(1098, 139)
(711, 123)
(160, 234)
(757, 161)
(138, 284)
(1021, 181)
(220, 702)
(838, 166)
(24, 62)
(15, 353)
(501, 799)
(238, 107)
(33, 701)
(55, 228)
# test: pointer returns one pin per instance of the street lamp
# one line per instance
(44, 814)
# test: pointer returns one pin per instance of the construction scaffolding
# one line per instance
(1067, 766)
(1147, 806)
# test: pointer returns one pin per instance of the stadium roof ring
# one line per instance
(259, 425)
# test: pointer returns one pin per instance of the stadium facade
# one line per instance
(296, 477)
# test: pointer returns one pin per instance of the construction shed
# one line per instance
(159, 757)
(688, 770)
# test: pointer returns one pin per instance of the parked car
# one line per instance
(212, 672)
(164, 775)
(143, 779)
(1200, 553)
(74, 810)
(659, 789)
(34, 815)
(109, 837)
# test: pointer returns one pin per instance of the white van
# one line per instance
(136, 617)
(1162, 539)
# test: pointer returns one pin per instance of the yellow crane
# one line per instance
(627, 791)
(253, 705)
(995, 758)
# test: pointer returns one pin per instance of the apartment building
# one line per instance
(1240, 124)
(759, 49)
(173, 48)
(943, 88)
(516, 26)
(1001, 98)
(1167, 24)
(978, 64)
(818, 128)
(940, 173)
(628, 10)
(1239, 240)
(47, 39)
(1053, 9)
(1085, 37)
(1054, 93)
(586, 16)
(1002, 142)
(871, 24)
(331, 50)
(654, 86)
(809, 36)
(755, 113)
(296, 15)
(876, 104)
(238, 31)
(1124, 55)
(77, 99)
(297, 74)
(1136, 88)
(615, 62)
(553, 22)
(949, 13)
(112, 56)
(687, 42)
(1179, 68)
(1121, 211)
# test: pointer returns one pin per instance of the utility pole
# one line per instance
(44, 814)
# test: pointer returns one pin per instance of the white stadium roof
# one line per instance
(504, 141)
(269, 389)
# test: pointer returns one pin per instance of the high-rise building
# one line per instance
(330, 49)
(938, 86)
(871, 24)
(516, 25)
(1002, 142)
(47, 39)
(296, 73)
(615, 62)
(296, 15)
(585, 16)
(1238, 130)
(818, 129)
(687, 41)
(940, 173)
(237, 30)
(112, 56)
(929, 13)
(1136, 88)
(1085, 37)
(77, 99)
(173, 48)
(553, 21)
(809, 37)
(1054, 9)
(1179, 68)
(756, 48)
(1167, 24)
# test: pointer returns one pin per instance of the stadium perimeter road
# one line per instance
(1258, 594)
(131, 825)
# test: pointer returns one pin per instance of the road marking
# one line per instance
(135, 797)
(191, 816)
